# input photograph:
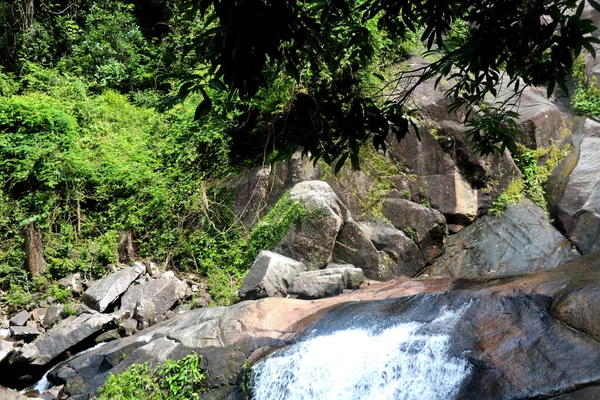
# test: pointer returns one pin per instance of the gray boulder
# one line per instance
(52, 315)
(153, 298)
(64, 336)
(104, 292)
(352, 246)
(522, 240)
(578, 211)
(312, 243)
(270, 276)
(426, 226)
(25, 333)
(326, 282)
(405, 257)
(20, 319)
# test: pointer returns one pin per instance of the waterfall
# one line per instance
(409, 361)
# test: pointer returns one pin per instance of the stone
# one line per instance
(145, 313)
(6, 349)
(23, 333)
(106, 291)
(53, 315)
(73, 282)
(352, 246)
(257, 190)
(522, 240)
(38, 315)
(578, 211)
(312, 243)
(127, 327)
(269, 276)
(61, 338)
(427, 227)
(108, 336)
(407, 258)
(158, 295)
(4, 333)
(326, 282)
(20, 319)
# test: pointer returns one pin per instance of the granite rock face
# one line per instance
(426, 226)
(403, 256)
(312, 243)
(521, 240)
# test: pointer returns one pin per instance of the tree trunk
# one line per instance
(34, 251)
(127, 250)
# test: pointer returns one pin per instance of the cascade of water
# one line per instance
(408, 361)
(44, 384)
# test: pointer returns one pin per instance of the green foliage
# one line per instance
(135, 383)
(174, 380)
(586, 98)
(18, 297)
(181, 379)
(536, 167)
(513, 194)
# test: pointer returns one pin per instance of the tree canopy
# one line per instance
(478, 44)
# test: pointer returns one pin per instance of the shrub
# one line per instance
(174, 380)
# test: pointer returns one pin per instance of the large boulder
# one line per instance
(521, 240)
(312, 243)
(270, 276)
(426, 226)
(159, 295)
(326, 282)
(64, 337)
(578, 210)
(352, 246)
(106, 291)
(405, 257)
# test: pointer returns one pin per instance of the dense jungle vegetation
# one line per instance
(124, 118)
(88, 149)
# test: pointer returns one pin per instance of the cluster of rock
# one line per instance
(118, 305)
(332, 252)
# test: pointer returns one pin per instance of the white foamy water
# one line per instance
(407, 361)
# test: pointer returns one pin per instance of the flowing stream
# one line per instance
(409, 361)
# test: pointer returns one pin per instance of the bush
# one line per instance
(174, 380)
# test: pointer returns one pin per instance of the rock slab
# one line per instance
(522, 240)
(104, 292)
